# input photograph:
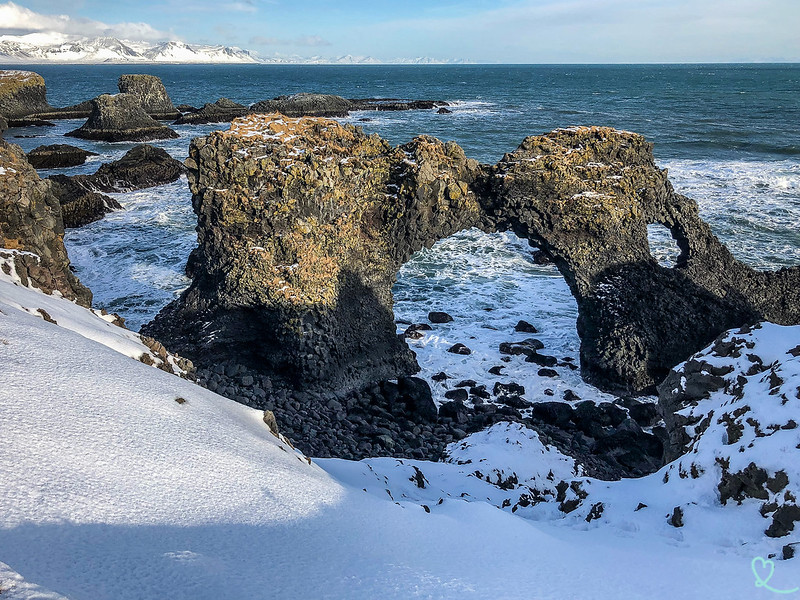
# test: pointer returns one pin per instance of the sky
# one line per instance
(491, 31)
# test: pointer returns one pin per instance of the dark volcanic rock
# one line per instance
(151, 95)
(22, 93)
(58, 156)
(304, 223)
(439, 317)
(394, 104)
(80, 204)
(305, 105)
(142, 167)
(120, 118)
(31, 222)
(221, 111)
(3, 125)
(314, 250)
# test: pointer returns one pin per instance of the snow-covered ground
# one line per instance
(122, 481)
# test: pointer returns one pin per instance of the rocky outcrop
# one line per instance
(151, 94)
(80, 203)
(304, 223)
(731, 413)
(305, 105)
(58, 156)
(288, 279)
(395, 104)
(586, 196)
(3, 125)
(221, 111)
(141, 167)
(120, 118)
(22, 93)
(32, 230)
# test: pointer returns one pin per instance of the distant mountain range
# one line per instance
(14, 49)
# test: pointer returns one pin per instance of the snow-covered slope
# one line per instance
(121, 481)
(28, 49)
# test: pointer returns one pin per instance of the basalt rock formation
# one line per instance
(151, 94)
(121, 118)
(304, 223)
(305, 105)
(221, 111)
(80, 203)
(58, 156)
(31, 228)
(22, 93)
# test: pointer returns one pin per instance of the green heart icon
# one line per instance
(763, 570)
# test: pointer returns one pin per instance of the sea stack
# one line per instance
(121, 118)
(22, 93)
(151, 94)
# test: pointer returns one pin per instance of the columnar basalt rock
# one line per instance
(121, 118)
(32, 230)
(302, 227)
(304, 223)
(22, 93)
(151, 94)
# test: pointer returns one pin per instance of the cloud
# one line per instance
(18, 20)
(246, 6)
(303, 40)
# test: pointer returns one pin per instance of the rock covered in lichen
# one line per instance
(302, 227)
(32, 230)
(121, 118)
(22, 93)
(151, 95)
(586, 195)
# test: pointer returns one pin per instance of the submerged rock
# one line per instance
(305, 105)
(121, 118)
(221, 111)
(151, 95)
(22, 93)
(58, 156)
(32, 229)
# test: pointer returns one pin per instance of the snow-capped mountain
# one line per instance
(15, 49)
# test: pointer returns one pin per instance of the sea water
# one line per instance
(728, 134)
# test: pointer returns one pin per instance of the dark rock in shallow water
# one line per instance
(31, 222)
(58, 156)
(80, 204)
(22, 93)
(151, 94)
(394, 104)
(305, 105)
(525, 327)
(444, 111)
(221, 111)
(142, 167)
(120, 118)
(439, 317)
(459, 349)
(186, 108)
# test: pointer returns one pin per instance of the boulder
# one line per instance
(32, 229)
(221, 111)
(80, 204)
(22, 93)
(142, 167)
(305, 105)
(120, 118)
(58, 156)
(151, 94)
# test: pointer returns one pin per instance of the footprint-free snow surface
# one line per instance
(120, 481)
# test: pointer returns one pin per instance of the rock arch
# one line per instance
(304, 223)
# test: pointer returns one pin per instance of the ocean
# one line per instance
(728, 134)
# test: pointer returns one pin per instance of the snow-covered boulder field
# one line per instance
(123, 481)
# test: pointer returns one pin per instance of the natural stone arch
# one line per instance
(303, 225)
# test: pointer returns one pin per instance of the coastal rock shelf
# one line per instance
(304, 223)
